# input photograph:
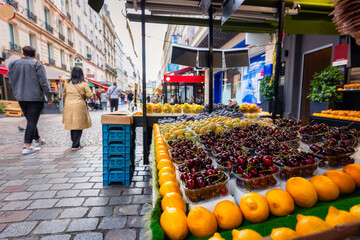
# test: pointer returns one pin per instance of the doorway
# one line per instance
(315, 61)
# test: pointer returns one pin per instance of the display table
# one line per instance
(344, 202)
(334, 122)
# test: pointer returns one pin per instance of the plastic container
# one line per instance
(309, 139)
(293, 143)
(118, 175)
(329, 162)
(112, 127)
(286, 172)
(205, 193)
(258, 183)
(223, 168)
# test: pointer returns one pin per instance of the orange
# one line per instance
(201, 222)
(254, 207)
(337, 217)
(326, 189)
(246, 234)
(167, 177)
(166, 170)
(173, 199)
(174, 223)
(354, 171)
(162, 155)
(280, 202)
(161, 148)
(216, 236)
(309, 224)
(164, 163)
(345, 183)
(169, 187)
(355, 211)
(228, 215)
(283, 233)
(302, 191)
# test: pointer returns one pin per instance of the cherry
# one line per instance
(190, 184)
(268, 160)
(273, 169)
(223, 191)
(200, 182)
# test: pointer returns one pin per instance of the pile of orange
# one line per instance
(340, 114)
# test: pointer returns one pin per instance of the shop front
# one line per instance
(179, 89)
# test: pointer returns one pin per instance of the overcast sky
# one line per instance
(154, 43)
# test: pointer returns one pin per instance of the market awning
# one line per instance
(4, 70)
(98, 84)
(184, 79)
(91, 84)
(54, 74)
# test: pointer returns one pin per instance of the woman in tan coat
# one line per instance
(76, 116)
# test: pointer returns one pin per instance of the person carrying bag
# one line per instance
(75, 115)
(113, 93)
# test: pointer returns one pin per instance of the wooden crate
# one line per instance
(12, 109)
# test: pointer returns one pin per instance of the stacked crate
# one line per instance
(118, 153)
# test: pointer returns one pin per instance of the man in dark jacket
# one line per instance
(29, 84)
(130, 98)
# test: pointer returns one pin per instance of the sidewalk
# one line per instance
(57, 194)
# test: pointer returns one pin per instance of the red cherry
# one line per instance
(224, 191)
(268, 160)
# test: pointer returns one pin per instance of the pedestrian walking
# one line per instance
(122, 99)
(113, 93)
(104, 100)
(29, 84)
(76, 116)
(130, 98)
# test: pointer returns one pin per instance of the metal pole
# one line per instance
(145, 132)
(281, 12)
(210, 58)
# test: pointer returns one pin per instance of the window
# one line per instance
(80, 48)
(79, 23)
(62, 57)
(47, 16)
(71, 61)
(84, 3)
(11, 31)
(67, 7)
(69, 34)
(85, 30)
(32, 40)
(91, 36)
(60, 27)
(49, 51)
(62, 6)
(29, 5)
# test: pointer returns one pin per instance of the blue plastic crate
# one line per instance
(118, 176)
(117, 135)
(117, 163)
(123, 142)
(117, 155)
(112, 127)
(116, 148)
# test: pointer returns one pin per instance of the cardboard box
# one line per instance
(120, 118)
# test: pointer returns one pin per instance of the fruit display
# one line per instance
(228, 215)
(249, 108)
(326, 189)
(340, 114)
(280, 202)
(254, 207)
(202, 223)
(224, 110)
(344, 136)
(310, 224)
(353, 86)
(344, 181)
(170, 109)
(288, 124)
(313, 133)
(338, 217)
(302, 191)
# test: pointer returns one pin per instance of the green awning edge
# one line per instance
(90, 84)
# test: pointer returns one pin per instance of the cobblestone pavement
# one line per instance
(57, 194)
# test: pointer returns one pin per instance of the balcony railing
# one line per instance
(15, 48)
(71, 44)
(13, 3)
(31, 16)
(49, 28)
(52, 61)
(63, 66)
(68, 15)
(88, 56)
(62, 37)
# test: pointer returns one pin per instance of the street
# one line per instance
(57, 194)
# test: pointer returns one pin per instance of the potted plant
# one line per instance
(2, 108)
(323, 89)
(266, 93)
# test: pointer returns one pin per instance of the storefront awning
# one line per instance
(4, 70)
(54, 74)
(98, 84)
(184, 79)
(91, 84)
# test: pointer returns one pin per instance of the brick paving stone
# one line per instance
(142, 199)
(44, 214)
(44, 194)
(137, 178)
(18, 196)
(53, 226)
(96, 179)
(48, 170)
(89, 193)
(141, 184)
(18, 229)
(79, 179)
(94, 174)
(67, 193)
(82, 165)
(89, 235)
(83, 185)
(112, 223)
(96, 201)
(75, 174)
(145, 208)
(85, 170)
(15, 205)
(14, 216)
(86, 224)
(127, 210)
(59, 180)
(135, 222)
(78, 212)
(101, 212)
(56, 175)
(143, 173)
(61, 166)
(100, 185)
(14, 183)
(39, 187)
(58, 237)
(62, 186)
(147, 178)
(37, 181)
(148, 190)
(43, 203)
(12, 189)
(118, 234)
(70, 202)
(120, 200)
(110, 192)
(2, 226)
(3, 195)
(34, 176)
